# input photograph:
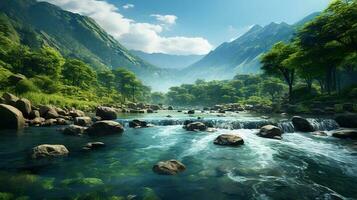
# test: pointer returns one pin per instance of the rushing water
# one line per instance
(301, 166)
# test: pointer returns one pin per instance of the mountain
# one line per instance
(168, 61)
(242, 55)
(74, 35)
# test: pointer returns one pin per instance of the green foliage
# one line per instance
(257, 100)
(243, 88)
(24, 86)
(77, 73)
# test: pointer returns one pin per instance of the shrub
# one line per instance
(25, 86)
(46, 84)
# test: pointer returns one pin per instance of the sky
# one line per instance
(185, 27)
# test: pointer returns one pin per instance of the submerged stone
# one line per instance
(47, 150)
(82, 181)
(170, 167)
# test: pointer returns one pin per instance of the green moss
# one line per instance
(82, 181)
(47, 183)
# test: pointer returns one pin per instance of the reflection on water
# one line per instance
(301, 166)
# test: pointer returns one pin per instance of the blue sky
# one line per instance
(221, 20)
(185, 27)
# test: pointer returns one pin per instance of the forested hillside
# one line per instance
(73, 35)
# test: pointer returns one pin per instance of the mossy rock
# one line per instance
(82, 181)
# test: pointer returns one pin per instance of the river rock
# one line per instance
(47, 150)
(348, 120)
(170, 108)
(191, 112)
(138, 124)
(49, 122)
(37, 121)
(228, 140)
(11, 118)
(74, 130)
(319, 133)
(48, 112)
(76, 113)
(155, 107)
(105, 128)
(149, 111)
(83, 121)
(302, 124)
(93, 145)
(10, 98)
(61, 121)
(345, 133)
(170, 167)
(196, 126)
(24, 106)
(106, 113)
(270, 131)
(34, 114)
(60, 111)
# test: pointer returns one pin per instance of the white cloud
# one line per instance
(128, 5)
(166, 19)
(134, 35)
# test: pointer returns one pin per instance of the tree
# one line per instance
(47, 61)
(273, 64)
(79, 74)
(106, 78)
(273, 87)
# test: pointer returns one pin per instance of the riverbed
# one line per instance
(300, 166)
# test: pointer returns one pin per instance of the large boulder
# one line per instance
(106, 113)
(24, 105)
(155, 107)
(48, 112)
(138, 124)
(345, 133)
(11, 118)
(348, 120)
(170, 167)
(170, 108)
(196, 126)
(10, 98)
(228, 140)
(270, 131)
(302, 124)
(74, 130)
(47, 150)
(83, 121)
(105, 128)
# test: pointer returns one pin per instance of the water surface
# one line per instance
(301, 166)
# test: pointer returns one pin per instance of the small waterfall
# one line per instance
(234, 124)
(286, 126)
(323, 124)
